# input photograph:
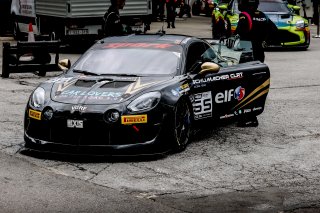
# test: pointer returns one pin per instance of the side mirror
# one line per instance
(296, 8)
(64, 64)
(223, 7)
(209, 67)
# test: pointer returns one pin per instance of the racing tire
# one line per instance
(181, 126)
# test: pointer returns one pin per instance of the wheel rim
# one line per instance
(182, 123)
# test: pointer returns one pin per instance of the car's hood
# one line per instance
(83, 89)
(280, 19)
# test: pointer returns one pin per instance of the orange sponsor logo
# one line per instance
(134, 119)
(34, 114)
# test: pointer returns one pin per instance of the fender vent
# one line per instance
(85, 83)
(116, 84)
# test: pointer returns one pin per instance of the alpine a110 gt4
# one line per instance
(141, 94)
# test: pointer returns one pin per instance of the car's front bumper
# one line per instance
(153, 147)
(96, 136)
(291, 38)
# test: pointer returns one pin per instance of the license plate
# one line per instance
(137, 28)
(74, 123)
(78, 32)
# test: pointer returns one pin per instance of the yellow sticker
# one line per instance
(34, 114)
(184, 86)
(134, 119)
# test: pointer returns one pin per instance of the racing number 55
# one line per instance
(202, 105)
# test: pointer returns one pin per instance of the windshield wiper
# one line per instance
(85, 72)
(127, 75)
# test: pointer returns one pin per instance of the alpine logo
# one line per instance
(239, 93)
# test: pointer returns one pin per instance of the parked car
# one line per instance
(293, 30)
(202, 6)
(142, 94)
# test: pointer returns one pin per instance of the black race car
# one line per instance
(141, 94)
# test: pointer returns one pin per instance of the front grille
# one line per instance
(286, 36)
(95, 132)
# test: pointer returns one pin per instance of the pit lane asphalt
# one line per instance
(271, 168)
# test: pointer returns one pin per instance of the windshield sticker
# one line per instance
(202, 105)
(138, 45)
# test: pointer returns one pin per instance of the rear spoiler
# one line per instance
(30, 57)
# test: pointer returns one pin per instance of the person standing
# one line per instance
(255, 26)
(171, 12)
(315, 18)
(112, 22)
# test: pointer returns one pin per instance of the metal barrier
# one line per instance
(30, 57)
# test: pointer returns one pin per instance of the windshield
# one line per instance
(129, 61)
(267, 7)
(273, 7)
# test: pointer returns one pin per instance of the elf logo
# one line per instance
(227, 95)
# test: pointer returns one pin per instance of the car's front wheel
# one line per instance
(181, 125)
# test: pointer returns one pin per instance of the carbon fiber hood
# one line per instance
(82, 89)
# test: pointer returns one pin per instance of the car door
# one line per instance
(223, 94)
(201, 96)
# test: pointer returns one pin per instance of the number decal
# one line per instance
(202, 105)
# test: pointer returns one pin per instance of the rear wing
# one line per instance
(30, 57)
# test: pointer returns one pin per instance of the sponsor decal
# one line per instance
(202, 105)
(257, 109)
(261, 90)
(226, 116)
(91, 94)
(259, 19)
(138, 45)
(78, 108)
(134, 119)
(65, 84)
(59, 80)
(247, 110)
(34, 114)
(239, 112)
(231, 76)
(74, 123)
(181, 90)
(134, 87)
(227, 95)
(239, 93)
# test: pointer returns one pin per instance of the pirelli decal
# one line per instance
(34, 114)
(134, 119)
(258, 92)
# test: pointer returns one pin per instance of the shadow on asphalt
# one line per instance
(89, 158)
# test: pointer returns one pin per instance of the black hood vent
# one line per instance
(116, 84)
(85, 83)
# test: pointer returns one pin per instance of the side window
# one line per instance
(209, 55)
(194, 55)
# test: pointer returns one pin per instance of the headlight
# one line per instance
(145, 101)
(300, 24)
(37, 98)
